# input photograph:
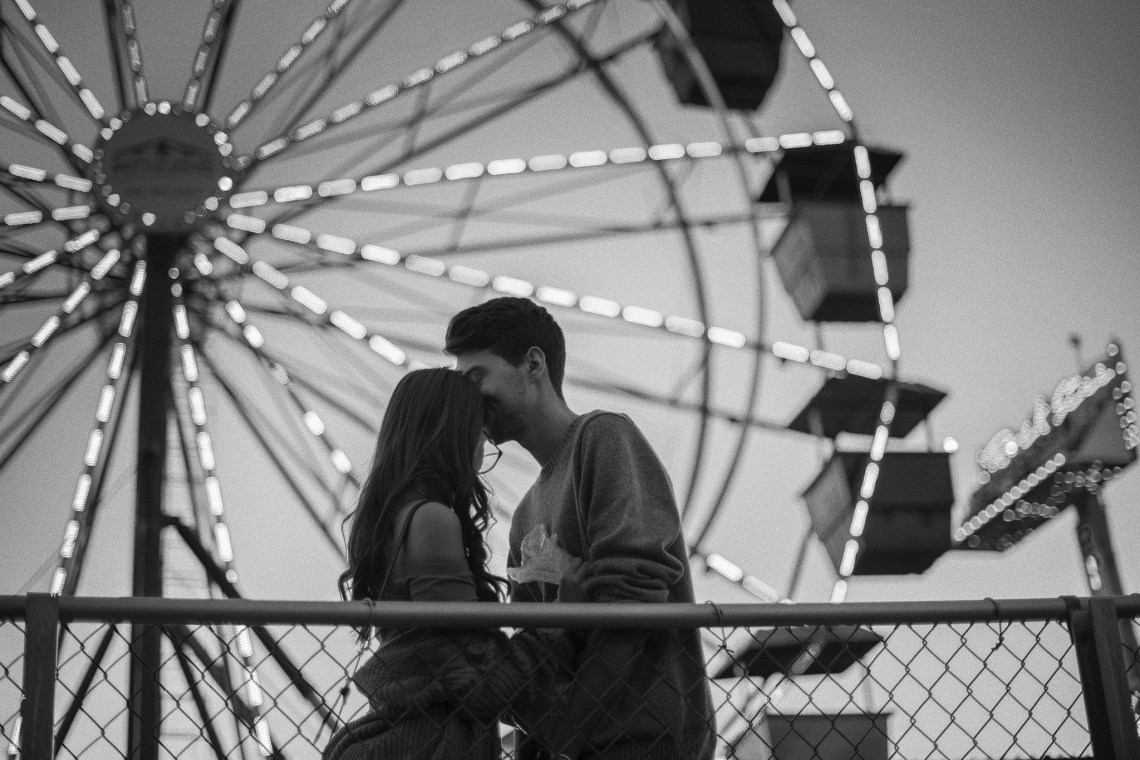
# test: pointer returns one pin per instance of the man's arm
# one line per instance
(632, 521)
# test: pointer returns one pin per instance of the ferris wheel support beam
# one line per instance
(1101, 572)
(116, 50)
(336, 67)
(98, 481)
(218, 577)
(213, 669)
(154, 407)
(84, 687)
(191, 677)
(217, 56)
(327, 530)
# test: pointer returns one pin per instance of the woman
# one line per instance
(417, 535)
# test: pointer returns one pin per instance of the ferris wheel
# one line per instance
(227, 230)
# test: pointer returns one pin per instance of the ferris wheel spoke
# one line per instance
(284, 438)
(74, 81)
(382, 178)
(634, 157)
(329, 528)
(733, 573)
(122, 48)
(48, 329)
(267, 85)
(315, 380)
(98, 453)
(46, 216)
(318, 390)
(199, 458)
(418, 78)
(503, 208)
(310, 300)
(40, 401)
(674, 402)
(48, 132)
(331, 67)
(455, 103)
(88, 498)
(18, 299)
(190, 674)
(629, 314)
(312, 419)
(247, 716)
(209, 56)
(29, 195)
(24, 78)
(40, 177)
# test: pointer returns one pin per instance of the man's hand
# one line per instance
(542, 559)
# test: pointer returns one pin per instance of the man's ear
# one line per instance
(535, 362)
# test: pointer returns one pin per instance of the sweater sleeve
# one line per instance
(480, 672)
(630, 514)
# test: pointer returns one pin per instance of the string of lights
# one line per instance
(32, 174)
(29, 218)
(312, 420)
(415, 79)
(507, 285)
(66, 67)
(45, 259)
(207, 50)
(204, 451)
(134, 51)
(545, 163)
(46, 129)
(882, 280)
(284, 63)
(53, 322)
(313, 303)
(79, 523)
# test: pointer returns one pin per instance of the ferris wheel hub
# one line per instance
(162, 167)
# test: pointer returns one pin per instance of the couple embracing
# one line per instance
(599, 524)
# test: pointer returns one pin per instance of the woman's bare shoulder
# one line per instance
(435, 534)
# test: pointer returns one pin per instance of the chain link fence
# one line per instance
(239, 679)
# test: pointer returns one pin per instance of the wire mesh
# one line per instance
(11, 683)
(983, 689)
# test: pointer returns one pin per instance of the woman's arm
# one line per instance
(482, 670)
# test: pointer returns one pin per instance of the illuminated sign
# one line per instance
(1083, 435)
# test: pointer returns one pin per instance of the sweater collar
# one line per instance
(549, 466)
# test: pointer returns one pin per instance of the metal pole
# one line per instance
(1100, 564)
(1095, 632)
(154, 405)
(41, 630)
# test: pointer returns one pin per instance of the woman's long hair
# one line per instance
(426, 449)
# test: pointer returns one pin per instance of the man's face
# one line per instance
(507, 394)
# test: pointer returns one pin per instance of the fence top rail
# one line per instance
(469, 615)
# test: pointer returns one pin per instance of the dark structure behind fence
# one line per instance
(1039, 678)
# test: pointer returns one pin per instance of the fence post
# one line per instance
(41, 631)
(1095, 632)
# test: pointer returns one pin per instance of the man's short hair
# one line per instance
(508, 327)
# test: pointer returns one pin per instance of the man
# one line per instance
(606, 496)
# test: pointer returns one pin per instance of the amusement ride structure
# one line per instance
(227, 231)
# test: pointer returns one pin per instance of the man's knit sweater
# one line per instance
(608, 498)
